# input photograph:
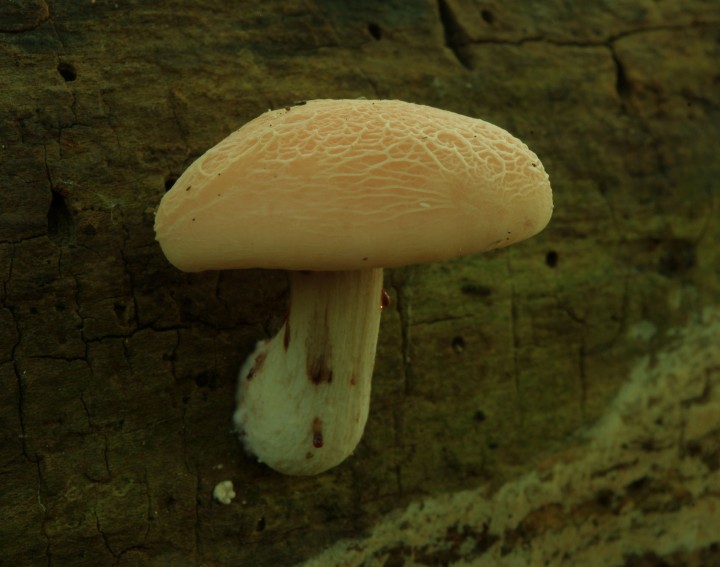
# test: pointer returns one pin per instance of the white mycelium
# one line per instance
(224, 492)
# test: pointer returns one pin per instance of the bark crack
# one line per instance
(43, 523)
(514, 326)
(403, 310)
(456, 39)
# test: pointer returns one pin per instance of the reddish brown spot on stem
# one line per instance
(286, 335)
(318, 371)
(353, 380)
(259, 361)
(317, 436)
(385, 300)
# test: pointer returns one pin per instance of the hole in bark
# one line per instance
(61, 225)
(480, 416)
(204, 379)
(476, 289)
(170, 504)
(458, 344)
(67, 71)
(375, 31)
(678, 257)
(622, 84)
(120, 309)
(488, 16)
(260, 524)
(605, 498)
(551, 259)
(638, 484)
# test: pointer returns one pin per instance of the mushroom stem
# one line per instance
(304, 395)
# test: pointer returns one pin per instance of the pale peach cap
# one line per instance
(353, 184)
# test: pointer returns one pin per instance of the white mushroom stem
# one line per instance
(304, 395)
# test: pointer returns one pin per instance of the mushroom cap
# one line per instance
(353, 184)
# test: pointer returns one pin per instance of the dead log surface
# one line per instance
(118, 372)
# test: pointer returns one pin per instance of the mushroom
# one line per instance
(335, 191)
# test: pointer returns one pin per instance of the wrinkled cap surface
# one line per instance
(353, 184)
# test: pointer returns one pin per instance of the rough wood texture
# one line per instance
(118, 372)
(635, 493)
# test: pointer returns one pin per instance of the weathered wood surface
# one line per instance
(118, 372)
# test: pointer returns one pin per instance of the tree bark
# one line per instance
(119, 372)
